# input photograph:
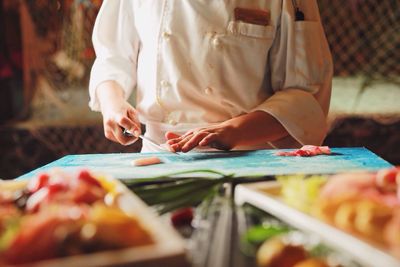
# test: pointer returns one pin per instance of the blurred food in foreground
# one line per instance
(365, 204)
(59, 214)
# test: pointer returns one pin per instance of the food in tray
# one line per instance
(277, 253)
(274, 243)
(278, 245)
(301, 192)
(60, 214)
(363, 203)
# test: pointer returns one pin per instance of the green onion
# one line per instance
(172, 191)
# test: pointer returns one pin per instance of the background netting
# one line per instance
(364, 36)
(62, 30)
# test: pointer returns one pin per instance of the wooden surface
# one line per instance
(241, 163)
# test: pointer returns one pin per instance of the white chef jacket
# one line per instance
(193, 64)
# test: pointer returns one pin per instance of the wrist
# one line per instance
(237, 131)
(255, 128)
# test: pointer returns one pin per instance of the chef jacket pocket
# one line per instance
(250, 30)
(309, 61)
(237, 59)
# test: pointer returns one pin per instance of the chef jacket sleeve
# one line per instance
(116, 43)
(300, 67)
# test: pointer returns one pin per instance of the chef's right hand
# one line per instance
(117, 113)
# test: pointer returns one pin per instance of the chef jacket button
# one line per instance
(165, 84)
(216, 42)
(172, 122)
(208, 91)
(159, 102)
(166, 35)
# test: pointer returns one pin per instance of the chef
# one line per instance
(240, 74)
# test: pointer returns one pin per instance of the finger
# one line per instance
(133, 115)
(108, 126)
(193, 141)
(123, 139)
(189, 133)
(168, 147)
(174, 146)
(171, 135)
(174, 141)
(177, 143)
(213, 140)
(128, 124)
(132, 112)
(175, 138)
(113, 132)
(180, 141)
(172, 138)
(212, 137)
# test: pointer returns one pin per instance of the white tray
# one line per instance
(168, 248)
(257, 195)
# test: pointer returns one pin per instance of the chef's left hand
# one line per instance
(249, 129)
(224, 136)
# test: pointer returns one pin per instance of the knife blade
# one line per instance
(148, 140)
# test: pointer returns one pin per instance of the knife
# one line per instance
(144, 138)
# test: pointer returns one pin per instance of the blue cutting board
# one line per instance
(241, 163)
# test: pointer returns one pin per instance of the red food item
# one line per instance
(306, 151)
(86, 193)
(44, 195)
(88, 178)
(386, 179)
(182, 217)
(41, 235)
(303, 153)
(83, 188)
(38, 182)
